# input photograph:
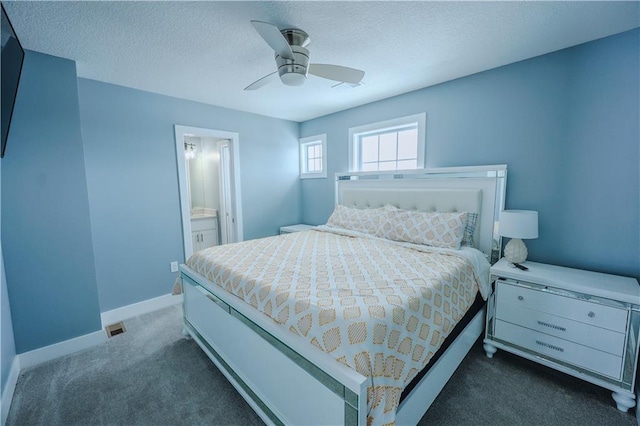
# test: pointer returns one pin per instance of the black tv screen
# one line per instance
(10, 68)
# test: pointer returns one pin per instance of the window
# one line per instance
(313, 157)
(389, 145)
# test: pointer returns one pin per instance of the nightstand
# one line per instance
(295, 228)
(582, 323)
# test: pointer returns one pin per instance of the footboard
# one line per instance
(283, 385)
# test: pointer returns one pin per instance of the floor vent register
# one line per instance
(115, 329)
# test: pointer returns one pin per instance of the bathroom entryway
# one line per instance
(209, 180)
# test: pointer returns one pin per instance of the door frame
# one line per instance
(236, 198)
(225, 238)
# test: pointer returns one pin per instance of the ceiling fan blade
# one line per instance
(274, 38)
(337, 73)
(262, 82)
(343, 85)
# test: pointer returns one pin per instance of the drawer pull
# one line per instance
(520, 298)
(591, 314)
(546, 345)
(555, 327)
(218, 302)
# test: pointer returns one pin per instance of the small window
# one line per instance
(389, 145)
(313, 157)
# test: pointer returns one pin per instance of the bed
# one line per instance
(307, 354)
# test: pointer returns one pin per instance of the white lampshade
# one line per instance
(519, 224)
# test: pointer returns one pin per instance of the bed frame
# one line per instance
(288, 381)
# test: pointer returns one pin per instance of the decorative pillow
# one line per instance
(361, 220)
(434, 229)
(469, 230)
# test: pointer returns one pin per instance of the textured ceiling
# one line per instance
(209, 51)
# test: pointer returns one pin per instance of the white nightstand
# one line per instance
(295, 228)
(582, 323)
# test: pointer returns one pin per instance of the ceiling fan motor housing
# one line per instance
(294, 72)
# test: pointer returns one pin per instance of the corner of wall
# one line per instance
(8, 390)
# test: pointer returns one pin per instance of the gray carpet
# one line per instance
(151, 375)
(509, 390)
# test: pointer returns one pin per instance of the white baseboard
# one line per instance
(9, 388)
(135, 309)
(47, 353)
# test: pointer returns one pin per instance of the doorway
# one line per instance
(209, 184)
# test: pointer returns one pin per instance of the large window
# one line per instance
(390, 145)
(313, 157)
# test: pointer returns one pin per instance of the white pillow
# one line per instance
(433, 229)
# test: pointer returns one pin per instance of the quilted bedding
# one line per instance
(382, 308)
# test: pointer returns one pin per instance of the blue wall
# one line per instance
(133, 182)
(566, 124)
(8, 348)
(46, 234)
(601, 181)
(7, 342)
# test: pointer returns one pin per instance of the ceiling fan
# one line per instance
(292, 59)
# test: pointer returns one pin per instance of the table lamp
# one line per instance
(518, 225)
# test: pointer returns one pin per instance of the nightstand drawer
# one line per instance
(574, 331)
(553, 347)
(575, 309)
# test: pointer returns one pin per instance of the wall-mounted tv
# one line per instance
(12, 57)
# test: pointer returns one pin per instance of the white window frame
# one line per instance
(310, 140)
(356, 132)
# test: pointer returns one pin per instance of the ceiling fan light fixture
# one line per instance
(292, 59)
(293, 79)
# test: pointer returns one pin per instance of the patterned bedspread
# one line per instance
(381, 308)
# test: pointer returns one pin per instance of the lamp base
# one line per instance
(515, 251)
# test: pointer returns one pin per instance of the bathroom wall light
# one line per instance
(189, 151)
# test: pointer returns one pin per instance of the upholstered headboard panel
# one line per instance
(436, 199)
(426, 200)
(472, 189)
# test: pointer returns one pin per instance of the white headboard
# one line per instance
(478, 189)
